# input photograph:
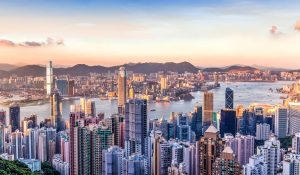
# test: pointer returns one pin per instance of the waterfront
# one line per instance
(244, 93)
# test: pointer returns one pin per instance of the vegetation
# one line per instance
(48, 169)
(14, 168)
(19, 168)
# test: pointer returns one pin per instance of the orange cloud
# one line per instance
(49, 42)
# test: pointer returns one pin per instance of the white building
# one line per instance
(296, 143)
(281, 122)
(49, 78)
(256, 166)
(271, 154)
(135, 164)
(262, 131)
(291, 164)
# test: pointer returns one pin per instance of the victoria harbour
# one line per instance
(245, 94)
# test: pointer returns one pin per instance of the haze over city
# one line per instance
(205, 33)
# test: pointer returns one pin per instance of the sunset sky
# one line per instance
(203, 32)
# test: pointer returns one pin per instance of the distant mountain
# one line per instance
(7, 67)
(82, 69)
(270, 68)
(234, 68)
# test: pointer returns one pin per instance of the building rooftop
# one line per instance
(228, 150)
(212, 129)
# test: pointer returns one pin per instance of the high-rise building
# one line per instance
(226, 164)
(228, 98)
(262, 131)
(296, 143)
(281, 122)
(242, 146)
(90, 108)
(131, 93)
(161, 157)
(228, 122)
(56, 110)
(62, 86)
(122, 89)
(208, 107)
(31, 143)
(291, 164)
(208, 149)
(2, 138)
(256, 166)
(118, 130)
(71, 87)
(14, 117)
(49, 78)
(101, 139)
(163, 83)
(135, 164)
(74, 142)
(112, 161)
(183, 129)
(42, 147)
(294, 117)
(196, 123)
(271, 154)
(135, 126)
(2, 117)
(17, 144)
(29, 122)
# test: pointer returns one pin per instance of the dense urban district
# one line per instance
(259, 139)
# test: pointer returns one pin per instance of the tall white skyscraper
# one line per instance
(281, 122)
(262, 131)
(49, 77)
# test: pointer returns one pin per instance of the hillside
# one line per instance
(14, 167)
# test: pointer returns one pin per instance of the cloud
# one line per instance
(49, 42)
(297, 26)
(275, 32)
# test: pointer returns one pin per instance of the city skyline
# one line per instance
(214, 33)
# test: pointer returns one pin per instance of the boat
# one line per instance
(153, 110)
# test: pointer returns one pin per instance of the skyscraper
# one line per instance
(163, 83)
(208, 107)
(256, 166)
(56, 110)
(62, 87)
(122, 89)
(2, 117)
(196, 123)
(112, 161)
(294, 117)
(296, 143)
(271, 154)
(226, 164)
(228, 122)
(49, 78)
(135, 126)
(118, 129)
(14, 117)
(262, 131)
(135, 164)
(242, 146)
(281, 122)
(90, 108)
(17, 144)
(208, 149)
(229, 98)
(71, 87)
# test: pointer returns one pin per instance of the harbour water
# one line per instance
(244, 93)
